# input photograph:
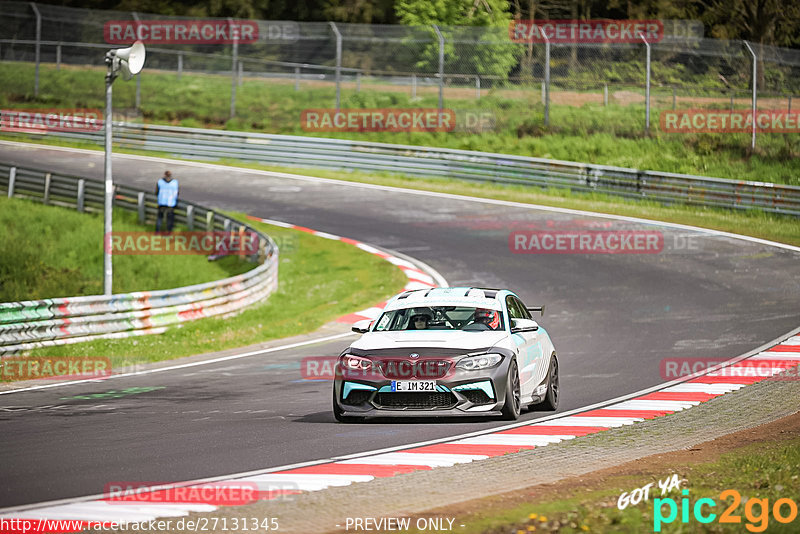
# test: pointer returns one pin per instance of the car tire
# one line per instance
(512, 405)
(550, 402)
(337, 413)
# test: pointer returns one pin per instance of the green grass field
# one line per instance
(592, 133)
(318, 281)
(57, 252)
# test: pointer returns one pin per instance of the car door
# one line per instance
(528, 354)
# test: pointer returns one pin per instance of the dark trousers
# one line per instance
(169, 217)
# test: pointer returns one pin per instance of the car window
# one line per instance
(525, 313)
(513, 308)
(440, 318)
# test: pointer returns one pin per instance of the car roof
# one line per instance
(449, 296)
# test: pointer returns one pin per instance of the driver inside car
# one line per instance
(419, 322)
(490, 318)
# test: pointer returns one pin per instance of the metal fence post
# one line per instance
(647, 87)
(12, 179)
(190, 217)
(441, 66)
(755, 93)
(234, 61)
(358, 82)
(239, 75)
(180, 64)
(81, 195)
(48, 177)
(338, 63)
(478, 87)
(413, 85)
(605, 94)
(38, 47)
(546, 78)
(58, 57)
(297, 78)
(141, 207)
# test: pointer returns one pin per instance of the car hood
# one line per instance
(443, 339)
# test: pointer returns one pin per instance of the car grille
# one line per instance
(357, 396)
(415, 400)
(476, 396)
(404, 369)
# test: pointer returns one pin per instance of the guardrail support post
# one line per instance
(190, 217)
(210, 221)
(338, 63)
(441, 66)
(38, 47)
(12, 179)
(47, 179)
(141, 207)
(58, 57)
(81, 195)
(226, 225)
(180, 64)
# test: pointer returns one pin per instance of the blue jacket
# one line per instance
(167, 192)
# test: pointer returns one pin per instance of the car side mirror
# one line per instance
(362, 327)
(523, 325)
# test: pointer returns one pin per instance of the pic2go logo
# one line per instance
(758, 520)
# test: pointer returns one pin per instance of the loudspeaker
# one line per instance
(129, 60)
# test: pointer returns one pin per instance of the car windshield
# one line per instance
(440, 318)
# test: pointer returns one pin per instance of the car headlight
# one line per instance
(481, 361)
(355, 363)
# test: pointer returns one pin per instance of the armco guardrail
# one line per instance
(38, 323)
(297, 151)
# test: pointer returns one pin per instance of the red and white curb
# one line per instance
(417, 277)
(278, 482)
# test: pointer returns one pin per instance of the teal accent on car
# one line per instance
(351, 386)
(483, 385)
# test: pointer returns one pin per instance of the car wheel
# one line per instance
(337, 412)
(550, 402)
(511, 408)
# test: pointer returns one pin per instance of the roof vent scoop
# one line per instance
(476, 293)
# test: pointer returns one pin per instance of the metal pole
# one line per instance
(180, 64)
(239, 76)
(234, 61)
(478, 87)
(338, 63)
(109, 191)
(138, 103)
(790, 103)
(12, 178)
(38, 46)
(297, 78)
(755, 94)
(441, 67)
(358, 82)
(546, 77)
(58, 57)
(674, 99)
(413, 86)
(647, 87)
(605, 94)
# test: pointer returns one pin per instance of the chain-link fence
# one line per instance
(451, 66)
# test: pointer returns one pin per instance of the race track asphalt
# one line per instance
(613, 317)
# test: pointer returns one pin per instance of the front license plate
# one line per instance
(414, 385)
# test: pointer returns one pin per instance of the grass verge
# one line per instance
(51, 252)
(611, 135)
(756, 471)
(319, 280)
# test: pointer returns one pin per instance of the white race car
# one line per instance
(448, 352)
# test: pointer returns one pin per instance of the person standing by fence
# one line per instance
(167, 193)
